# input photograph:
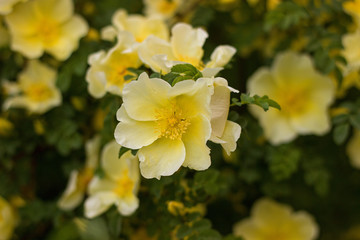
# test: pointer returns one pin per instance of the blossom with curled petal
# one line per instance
(78, 182)
(139, 26)
(39, 26)
(118, 186)
(108, 70)
(35, 90)
(6, 6)
(185, 46)
(303, 94)
(224, 132)
(164, 8)
(270, 220)
(169, 125)
(8, 220)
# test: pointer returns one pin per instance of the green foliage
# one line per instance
(285, 15)
(182, 72)
(264, 102)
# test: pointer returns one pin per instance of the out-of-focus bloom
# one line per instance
(351, 53)
(4, 35)
(45, 25)
(119, 186)
(353, 8)
(141, 27)
(223, 131)
(108, 70)
(8, 220)
(303, 94)
(169, 125)
(185, 46)
(270, 220)
(271, 4)
(5, 126)
(353, 149)
(36, 90)
(79, 180)
(6, 6)
(164, 8)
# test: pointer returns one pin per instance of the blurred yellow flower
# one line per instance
(353, 8)
(351, 52)
(45, 25)
(8, 220)
(139, 26)
(303, 94)
(6, 6)
(119, 186)
(163, 8)
(273, 221)
(169, 125)
(353, 149)
(36, 90)
(78, 182)
(5, 126)
(108, 70)
(185, 46)
(223, 131)
(271, 4)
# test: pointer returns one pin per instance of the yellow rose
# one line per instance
(273, 221)
(79, 180)
(139, 26)
(303, 94)
(108, 70)
(169, 125)
(36, 90)
(119, 186)
(185, 46)
(163, 8)
(8, 220)
(45, 25)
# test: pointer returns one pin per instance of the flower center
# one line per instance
(292, 102)
(125, 185)
(48, 31)
(38, 92)
(166, 6)
(116, 76)
(172, 123)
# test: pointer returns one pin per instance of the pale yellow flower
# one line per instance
(169, 125)
(45, 25)
(353, 149)
(274, 221)
(139, 26)
(303, 94)
(164, 8)
(185, 46)
(78, 181)
(119, 186)
(8, 220)
(6, 6)
(36, 89)
(108, 70)
(223, 131)
(351, 52)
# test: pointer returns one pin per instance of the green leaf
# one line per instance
(264, 102)
(182, 72)
(122, 151)
(355, 120)
(340, 133)
(183, 231)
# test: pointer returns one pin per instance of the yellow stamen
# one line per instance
(38, 92)
(172, 123)
(125, 185)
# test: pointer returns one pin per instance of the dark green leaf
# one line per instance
(340, 133)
